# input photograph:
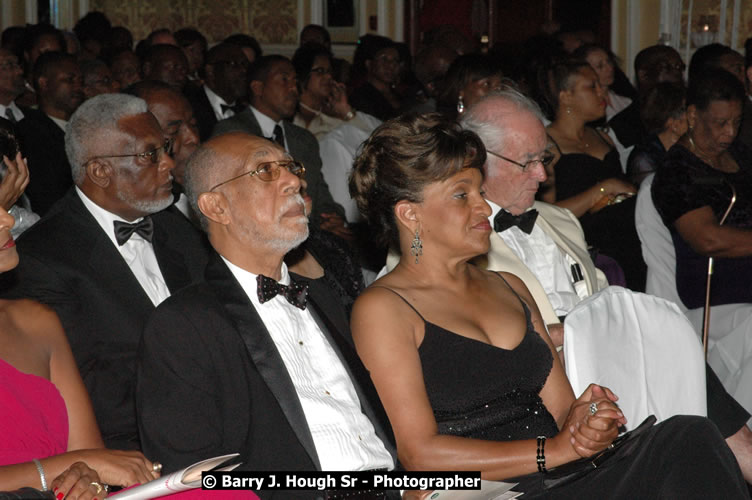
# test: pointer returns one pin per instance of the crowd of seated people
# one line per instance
(201, 222)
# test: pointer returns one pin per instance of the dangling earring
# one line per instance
(416, 248)
(569, 110)
(689, 136)
(460, 106)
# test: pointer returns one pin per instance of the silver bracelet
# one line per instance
(42, 477)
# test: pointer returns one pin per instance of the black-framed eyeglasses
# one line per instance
(545, 160)
(269, 171)
(154, 156)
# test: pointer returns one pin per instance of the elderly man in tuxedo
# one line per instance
(544, 245)
(256, 360)
(108, 252)
(274, 98)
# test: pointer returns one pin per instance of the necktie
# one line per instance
(124, 230)
(295, 293)
(278, 136)
(9, 114)
(504, 220)
(235, 108)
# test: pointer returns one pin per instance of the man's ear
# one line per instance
(42, 83)
(257, 88)
(214, 207)
(99, 172)
(691, 116)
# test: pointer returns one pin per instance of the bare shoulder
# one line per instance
(383, 309)
(36, 321)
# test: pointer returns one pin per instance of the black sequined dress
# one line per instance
(481, 391)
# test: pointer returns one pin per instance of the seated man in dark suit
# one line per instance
(57, 80)
(102, 275)
(653, 65)
(254, 360)
(274, 99)
(225, 75)
(178, 122)
(11, 86)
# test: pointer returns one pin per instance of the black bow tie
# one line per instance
(296, 293)
(236, 108)
(124, 231)
(504, 220)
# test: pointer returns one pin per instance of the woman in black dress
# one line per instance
(460, 358)
(588, 179)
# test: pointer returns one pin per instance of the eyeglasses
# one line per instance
(322, 71)
(545, 160)
(154, 156)
(269, 171)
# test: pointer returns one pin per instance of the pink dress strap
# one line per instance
(33, 417)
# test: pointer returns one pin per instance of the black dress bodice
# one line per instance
(611, 230)
(481, 391)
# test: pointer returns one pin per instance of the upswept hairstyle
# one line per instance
(403, 156)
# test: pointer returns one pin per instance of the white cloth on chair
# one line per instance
(730, 332)
(657, 247)
(640, 346)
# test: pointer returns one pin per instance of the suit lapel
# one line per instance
(169, 257)
(261, 349)
(104, 260)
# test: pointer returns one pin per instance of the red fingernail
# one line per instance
(60, 496)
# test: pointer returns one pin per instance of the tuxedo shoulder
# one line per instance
(548, 211)
(299, 133)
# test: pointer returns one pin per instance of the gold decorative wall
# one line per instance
(269, 21)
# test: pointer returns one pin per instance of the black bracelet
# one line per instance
(540, 456)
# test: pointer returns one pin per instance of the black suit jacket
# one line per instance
(628, 127)
(211, 381)
(43, 144)
(303, 147)
(202, 110)
(70, 264)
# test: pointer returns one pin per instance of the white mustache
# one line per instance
(296, 199)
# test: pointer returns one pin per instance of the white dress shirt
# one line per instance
(545, 260)
(344, 437)
(267, 126)
(137, 252)
(216, 104)
(60, 123)
(17, 113)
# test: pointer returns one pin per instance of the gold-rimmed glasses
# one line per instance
(268, 171)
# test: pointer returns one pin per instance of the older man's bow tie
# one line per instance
(296, 293)
(235, 108)
(124, 230)
(504, 220)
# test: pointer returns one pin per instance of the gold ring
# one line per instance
(98, 486)
(156, 467)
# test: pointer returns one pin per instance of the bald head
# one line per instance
(217, 160)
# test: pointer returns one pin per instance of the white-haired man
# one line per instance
(545, 246)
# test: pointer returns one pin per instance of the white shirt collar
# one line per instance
(247, 279)
(16, 111)
(267, 124)
(60, 123)
(104, 217)
(216, 103)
